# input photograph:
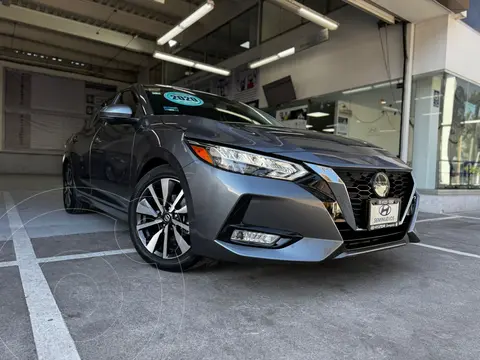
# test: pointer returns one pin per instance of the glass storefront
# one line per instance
(370, 113)
(459, 135)
(445, 128)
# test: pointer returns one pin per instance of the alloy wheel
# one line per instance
(162, 219)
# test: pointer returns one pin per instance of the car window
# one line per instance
(174, 101)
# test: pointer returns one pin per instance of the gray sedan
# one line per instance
(201, 177)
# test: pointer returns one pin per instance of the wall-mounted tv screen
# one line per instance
(279, 92)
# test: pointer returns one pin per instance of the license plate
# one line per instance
(384, 213)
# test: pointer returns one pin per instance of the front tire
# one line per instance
(159, 223)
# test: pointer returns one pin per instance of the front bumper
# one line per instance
(222, 200)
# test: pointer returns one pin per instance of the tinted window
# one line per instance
(170, 101)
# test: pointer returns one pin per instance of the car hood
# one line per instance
(301, 145)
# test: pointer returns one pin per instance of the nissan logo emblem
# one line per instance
(385, 210)
(381, 184)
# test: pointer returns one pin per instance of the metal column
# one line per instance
(407, 93)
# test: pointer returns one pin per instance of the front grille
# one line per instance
(360, 190)
(358, 240)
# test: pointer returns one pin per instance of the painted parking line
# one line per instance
(86, 255)
(52, 338)
(439, 219)
(448, 250)
(470, 217)
(8, 263)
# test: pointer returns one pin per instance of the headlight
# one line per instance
(248, 163)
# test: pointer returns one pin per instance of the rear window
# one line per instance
(173, 101)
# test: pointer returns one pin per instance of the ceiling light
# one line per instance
(471, 121)
(372, 9)
(330, 130)
(265, 61)
(390, 109)
(29, 54)
(16, 51)
(173, 59)
(308, 14)
(428, 97)
(35, 55)
(211, 69)
(388, 131)
(353, 91)
(187, 22)
(387, 84)
(272, 58)
(59, 60)
(187, 62)
(318, 114)
(172, 43)
(170, 35)
(287, 52)
(246, 45)
(42, 56)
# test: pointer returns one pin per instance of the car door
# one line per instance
(110, 156)
(80, 153)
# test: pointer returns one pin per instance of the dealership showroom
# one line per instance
(239, 179)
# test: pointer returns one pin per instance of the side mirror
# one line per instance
(117, 114)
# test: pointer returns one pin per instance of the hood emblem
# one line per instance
(381, 184)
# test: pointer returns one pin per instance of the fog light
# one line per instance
(254, 237)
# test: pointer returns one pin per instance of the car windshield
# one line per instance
(177, 101)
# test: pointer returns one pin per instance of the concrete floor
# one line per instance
(75, 295)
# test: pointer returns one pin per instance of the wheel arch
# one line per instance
(158, 157)
(65, 161)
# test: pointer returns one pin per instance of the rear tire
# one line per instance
(71, 201)
(158, 221)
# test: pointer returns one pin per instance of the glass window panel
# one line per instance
(369, 113)
(459, 140)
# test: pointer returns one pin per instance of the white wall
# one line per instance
(28, 162)
(463, 51)
(430, 48)
(444, 43)
(351, 58)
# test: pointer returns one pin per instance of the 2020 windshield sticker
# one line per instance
(183, 99)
